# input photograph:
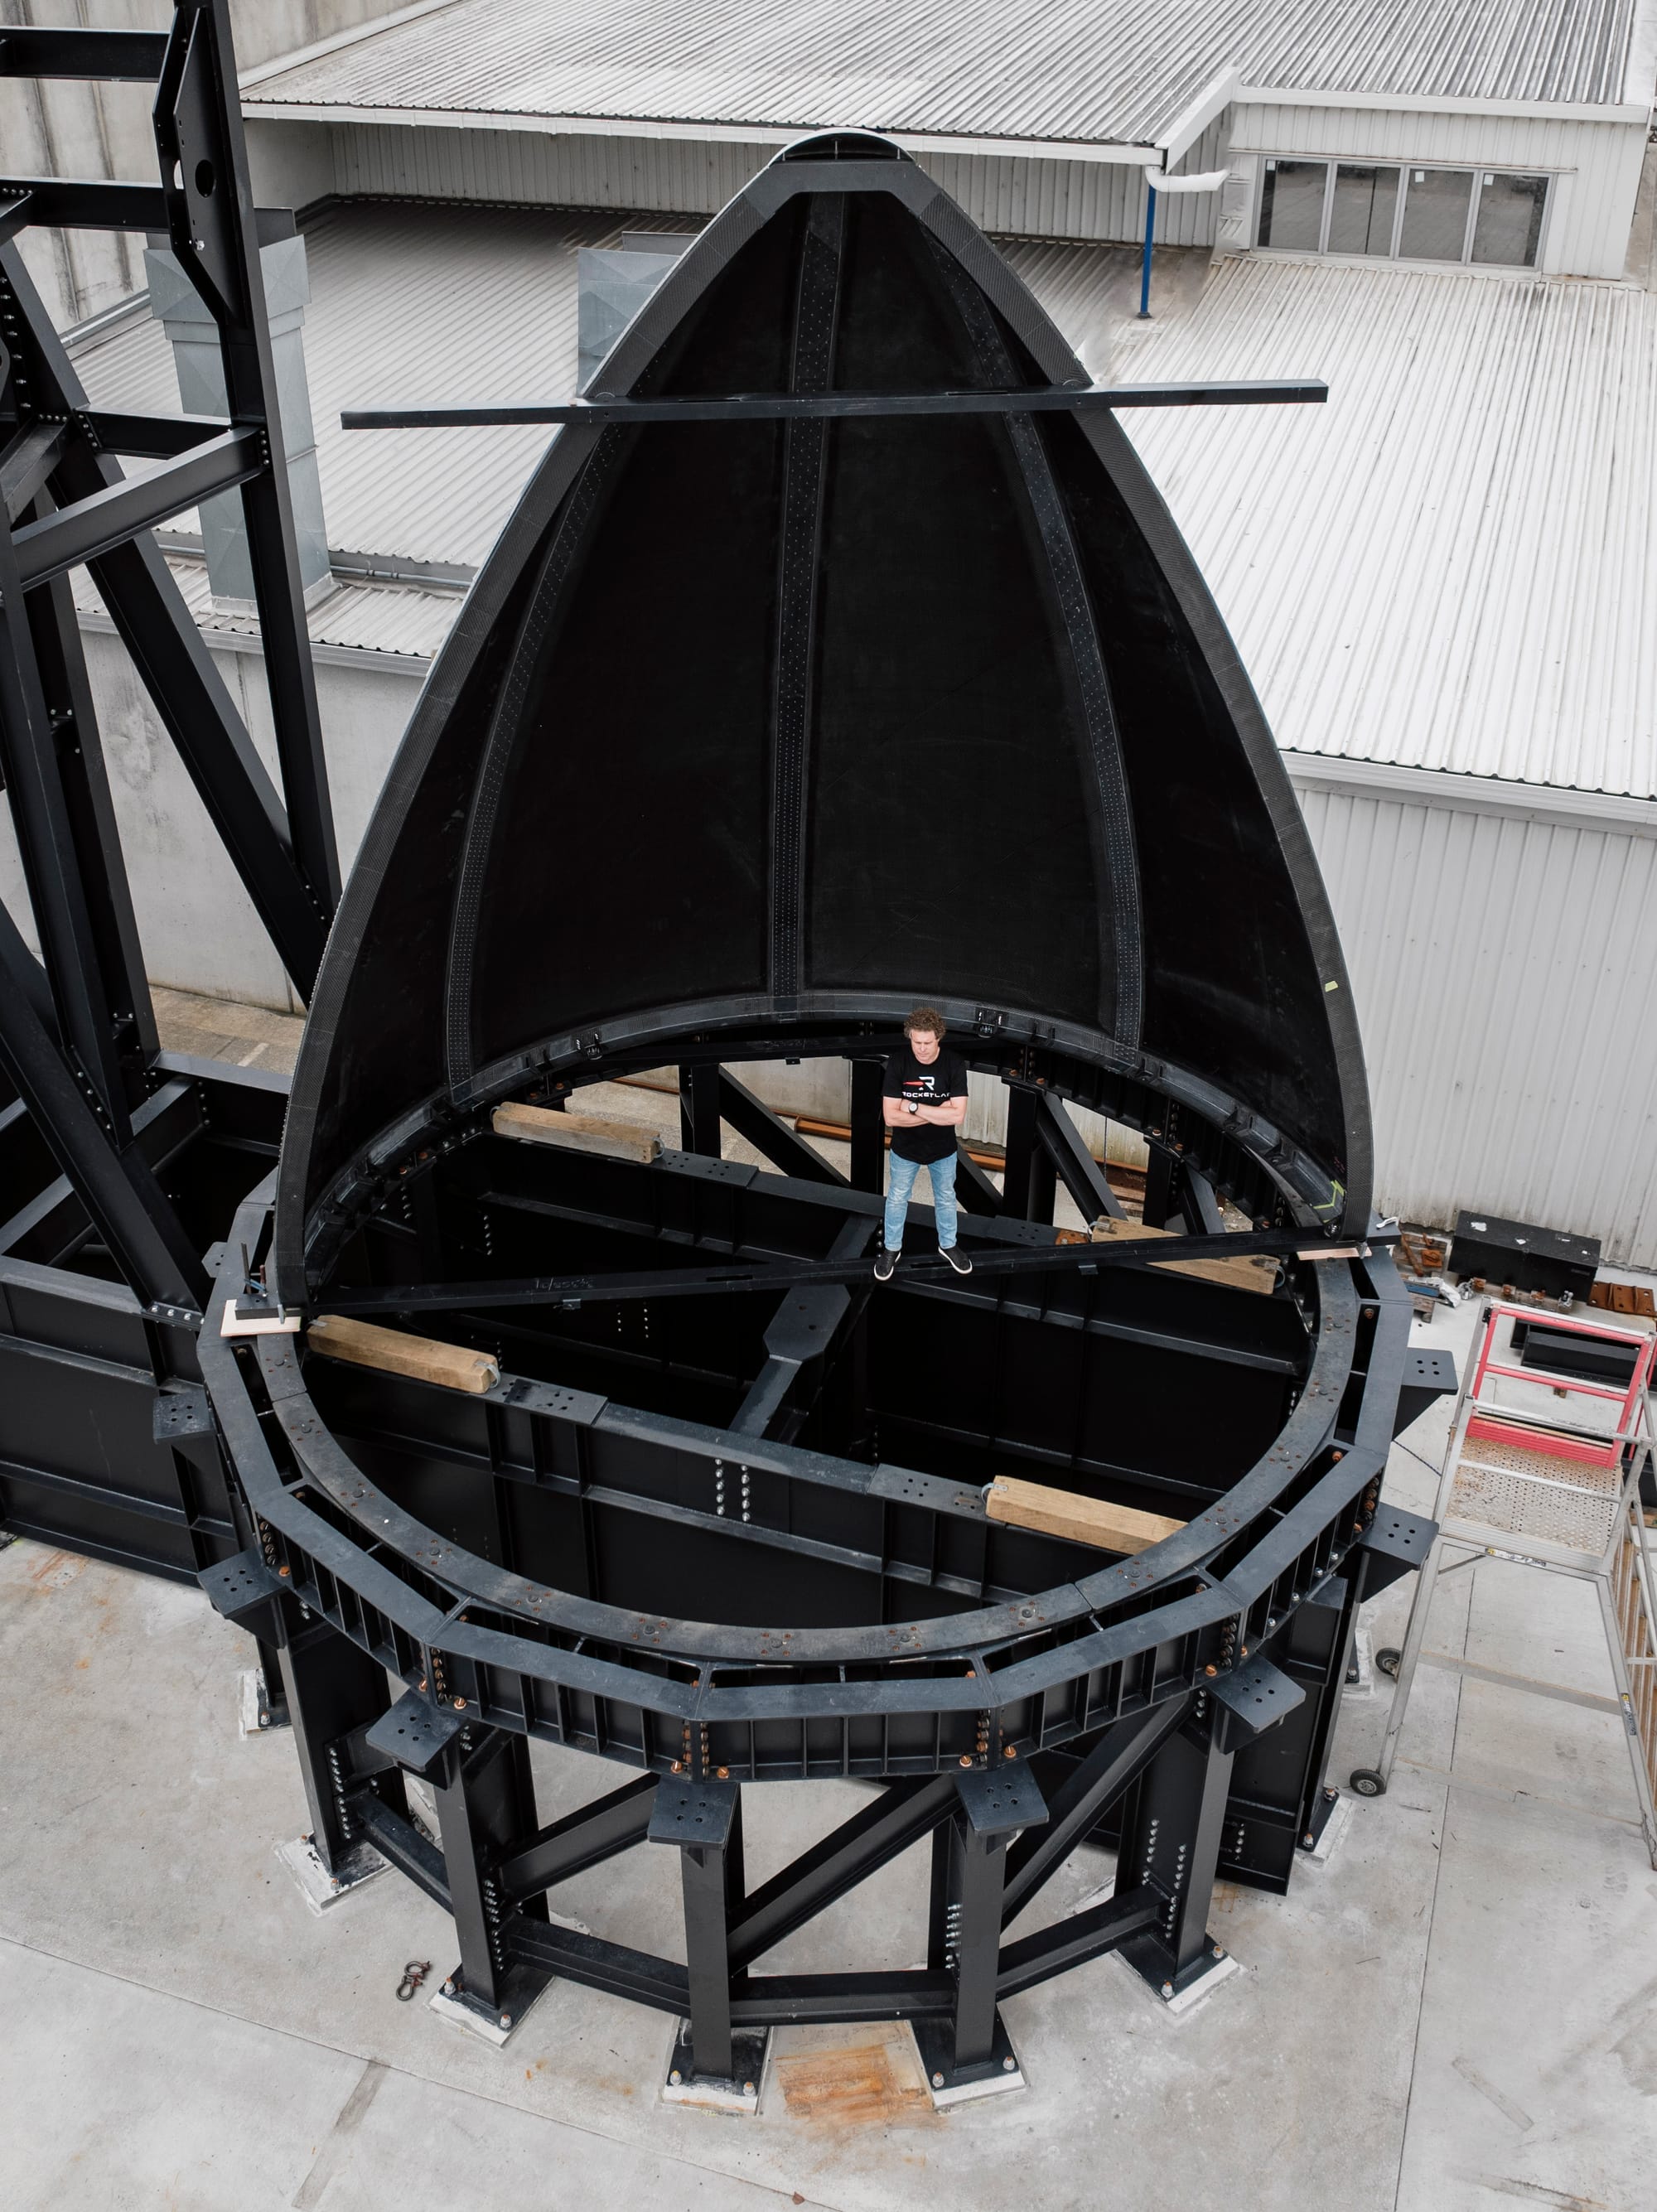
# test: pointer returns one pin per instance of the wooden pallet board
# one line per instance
(576, 1132)
(1255, 1274)
(423, 1358)
(1094, 1521)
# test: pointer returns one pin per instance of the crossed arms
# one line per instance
(949, 1115)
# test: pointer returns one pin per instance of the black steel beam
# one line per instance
(868, 1127)
(27, 460)
(699, 1108)
(976, 1192)
(767, 1133)
(118, 57)
(1083, 1177)
(1086, 1792)
(57, 873)
(153, 436)
(738, 1277)
(1073, 1942)
(210, 219)
(899, 1817)
(70, 204)
(175, 666)
(779, 406)
(401, 1843)
(127, 1206)
(581, 1840)
(109, 518)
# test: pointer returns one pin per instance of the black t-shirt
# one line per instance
(945, 1078)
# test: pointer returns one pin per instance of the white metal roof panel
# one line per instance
(416, 304)
(1449, 567)
(1044, 70)
(1452, 565)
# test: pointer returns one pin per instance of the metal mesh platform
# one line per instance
(1526, 1492)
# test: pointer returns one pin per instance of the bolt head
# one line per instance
(723, 1773)
(1309, 1839)
(333, 1882)
(1011, 1752)
(677, 1766)
(1009, 2066)
(460, 1705)
(965, 1761)
(1167, 1989)
(748, 2088)
(938, 2080)
(506, 2020)
(1219, 1950)
(676, 2077)
(448, 1988)
(264, 1720)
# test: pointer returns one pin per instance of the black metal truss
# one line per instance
(997, 1833)
(77, 1034)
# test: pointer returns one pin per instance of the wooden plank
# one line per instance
(1258, 1273)
(423, 1359)
(1079, 1520)
(577, 1133)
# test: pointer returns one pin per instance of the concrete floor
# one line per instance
(1455, 2013)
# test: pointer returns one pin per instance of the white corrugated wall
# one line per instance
(1598, 164)
(1096, 200)
(1505, 972)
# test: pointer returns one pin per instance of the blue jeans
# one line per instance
(901, 1184)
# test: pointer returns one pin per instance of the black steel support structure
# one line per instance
(118, 1164)
(721, 1519)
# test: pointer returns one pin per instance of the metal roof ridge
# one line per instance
(1483, 794)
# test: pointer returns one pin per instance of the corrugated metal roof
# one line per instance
(392, 618)
(1042, 69)
(1453, 564)
(1449, 567)
(416, 304)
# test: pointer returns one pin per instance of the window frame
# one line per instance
(1478, 170)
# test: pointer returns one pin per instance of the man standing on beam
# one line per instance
(923, 1102)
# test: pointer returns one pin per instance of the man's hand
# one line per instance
(949, 1115)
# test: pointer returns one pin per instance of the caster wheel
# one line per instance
(1367, 1782)
(1388, 1661)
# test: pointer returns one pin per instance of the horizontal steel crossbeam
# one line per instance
(582, 1840)
(780, 407)
(767, 1275)
(109, 518)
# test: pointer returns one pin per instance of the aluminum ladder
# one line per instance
(1521, 1484)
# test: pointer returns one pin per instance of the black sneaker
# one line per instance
(884, 1263)
(956, 1258)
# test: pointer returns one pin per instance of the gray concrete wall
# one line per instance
(196, 923)
(72, 128)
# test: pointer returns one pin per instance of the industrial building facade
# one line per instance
(1439, 583)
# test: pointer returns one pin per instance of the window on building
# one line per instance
(1362, 209)
(1291, 205)
(1395, 212)
(1435, 205)
(1509, 219)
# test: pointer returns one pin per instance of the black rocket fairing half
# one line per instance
(750, 727)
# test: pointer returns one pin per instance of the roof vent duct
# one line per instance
(612, 285)
(194, 337)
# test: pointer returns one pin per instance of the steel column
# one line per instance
(868, 1128)
(699, 1108)
(486, 1799)
(704, 1820)
(1171, 1836)
(332, 1688)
